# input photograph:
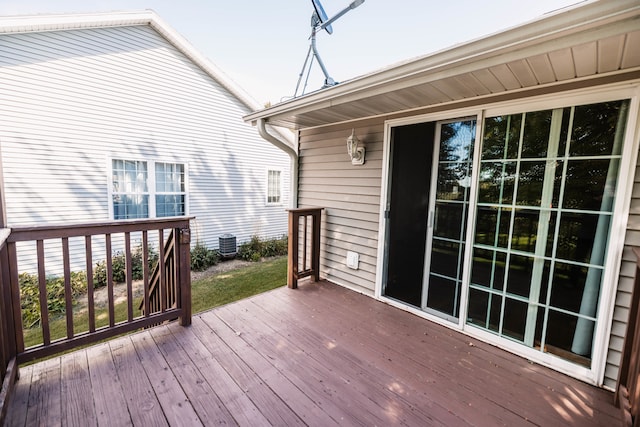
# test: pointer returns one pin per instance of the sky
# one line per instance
(261, 45)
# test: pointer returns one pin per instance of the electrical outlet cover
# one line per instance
(353, 258)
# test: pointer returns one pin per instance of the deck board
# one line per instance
(76, 395)
(363, 381)
(17, 415)
(142, 402)
(299, 364)
(174, 402)
(262, 364)
(449, 405)
(108, 395)
(270, 405)
(319, 355)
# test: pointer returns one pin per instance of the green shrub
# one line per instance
(251, 250)
(29, 292)
(203, 258)
(257, 248)
(275, 247)
(119, 267)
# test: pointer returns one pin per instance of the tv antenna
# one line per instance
(320, 21)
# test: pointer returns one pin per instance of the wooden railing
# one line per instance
(627, 396)
(304, 245)
(92, 234)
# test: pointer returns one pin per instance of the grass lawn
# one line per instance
(206, 293)
(234, 285)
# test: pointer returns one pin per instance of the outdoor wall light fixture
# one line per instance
(356, 153)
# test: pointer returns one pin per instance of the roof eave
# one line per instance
(563, 23)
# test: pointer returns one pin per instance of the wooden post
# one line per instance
(292, 250)
(627, 387)
(294, 272)
(14, 299)
(315, 242)
(184, 276)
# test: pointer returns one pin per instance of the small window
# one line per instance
(274, 187)
(170, 189)
(147, 189)
(130, 189)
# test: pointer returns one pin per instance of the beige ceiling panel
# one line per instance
(450, 92)
(475, 85)
(455, 88)
(586, 59)
(432, 94)
(488, 80)
(523, 73)
(562, 63)
(408, 98)
(542, 69)
(610, 52)
(631, 55)
(504, 74)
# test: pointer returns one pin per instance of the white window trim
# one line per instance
(151, 183)
(266, 192)
(606, 307)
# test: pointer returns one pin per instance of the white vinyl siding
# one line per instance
(625, 286)
(72, 100)
(351, 198)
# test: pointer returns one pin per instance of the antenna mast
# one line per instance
(320, 21)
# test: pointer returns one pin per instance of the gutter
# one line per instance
(293, 155)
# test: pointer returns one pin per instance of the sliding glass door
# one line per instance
(448, 216)
(546, 187)
(507, 234)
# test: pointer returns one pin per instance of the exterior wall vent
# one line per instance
(227, 246)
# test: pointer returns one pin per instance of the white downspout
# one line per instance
(293, 155)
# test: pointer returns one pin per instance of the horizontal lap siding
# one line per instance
(625, 287)
(351, 198)
(72, 100)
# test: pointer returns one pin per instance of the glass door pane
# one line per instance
(453, 158)
(547, 182)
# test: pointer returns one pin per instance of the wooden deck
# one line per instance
(319, 355)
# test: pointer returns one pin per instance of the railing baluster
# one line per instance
(145, 271)
(163, 273)
(68, 293)
(128, 275)
(107, 239)
(42, 289)
(305, 227)
(90, 298)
